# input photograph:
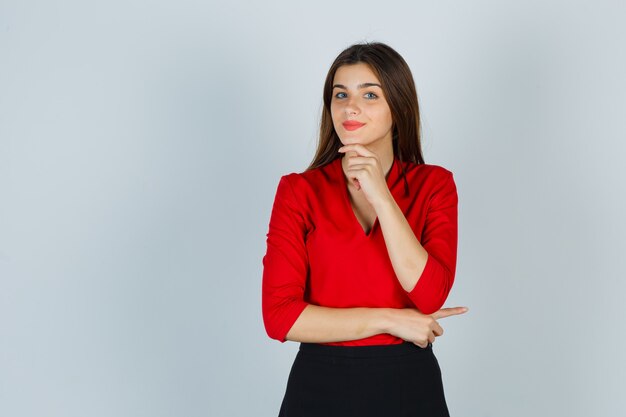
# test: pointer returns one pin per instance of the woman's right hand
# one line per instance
(413, 326)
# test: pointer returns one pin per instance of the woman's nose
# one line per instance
(351, 108)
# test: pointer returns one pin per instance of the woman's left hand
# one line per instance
(366, 173)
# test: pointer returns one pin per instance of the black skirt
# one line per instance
(384, 380)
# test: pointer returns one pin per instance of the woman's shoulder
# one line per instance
(310, 185)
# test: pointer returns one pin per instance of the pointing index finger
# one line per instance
(446, 312)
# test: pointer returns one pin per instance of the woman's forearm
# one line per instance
(318, 324)
(407, 255)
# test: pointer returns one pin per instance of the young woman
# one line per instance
(361, 251)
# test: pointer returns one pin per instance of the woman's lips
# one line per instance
(352, 125)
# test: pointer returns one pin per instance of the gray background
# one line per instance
(141, 144)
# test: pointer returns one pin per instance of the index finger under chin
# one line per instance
(358, 148)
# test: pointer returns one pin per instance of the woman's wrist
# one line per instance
(386, 203)
(384, 319)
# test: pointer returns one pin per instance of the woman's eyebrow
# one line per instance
(364, 85)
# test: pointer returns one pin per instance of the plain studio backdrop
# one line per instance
(141, 144)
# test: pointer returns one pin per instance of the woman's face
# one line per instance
(358, 107)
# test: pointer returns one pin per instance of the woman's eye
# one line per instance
(370, 95)
(340, 95)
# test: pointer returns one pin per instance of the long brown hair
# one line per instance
(399, 89)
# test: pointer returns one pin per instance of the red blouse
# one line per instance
(318, 253)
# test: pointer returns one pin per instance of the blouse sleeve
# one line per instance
(439, 238)
(285, 264)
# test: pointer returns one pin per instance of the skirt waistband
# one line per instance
(362, 351)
